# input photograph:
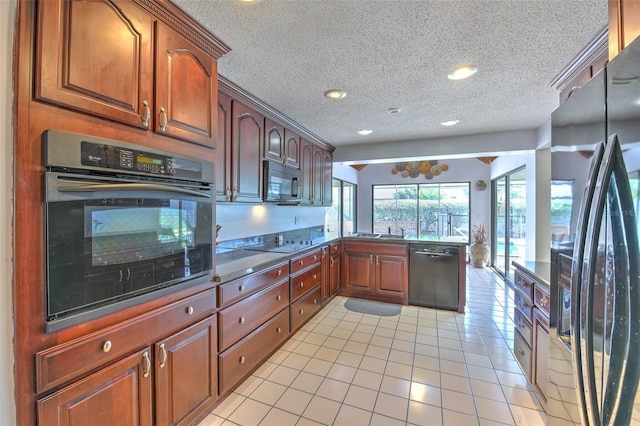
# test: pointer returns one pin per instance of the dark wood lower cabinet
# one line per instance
(121, 393)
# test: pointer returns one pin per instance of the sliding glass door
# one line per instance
(509, 220)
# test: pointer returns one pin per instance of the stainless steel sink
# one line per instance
(379, 236)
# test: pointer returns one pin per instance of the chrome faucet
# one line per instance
(389, 230)
(402, 232)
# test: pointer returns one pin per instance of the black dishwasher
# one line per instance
(433, 276)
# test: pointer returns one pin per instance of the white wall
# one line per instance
(7, 400)
(240, 220)
(461, 170)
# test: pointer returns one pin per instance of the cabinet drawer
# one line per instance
(242, 287)
(335, 248)
(301, 262)
(523, 353)
(305, 281)
(305, 308)
(523, 327)
(68, 361)
(240, 360)
(524, 286)
(242, 318)
(541, 300)
(524, 306)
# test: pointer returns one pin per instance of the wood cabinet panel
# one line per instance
(624, 24)
(222, 158)
(358, 272)
(235, 290)
(186, 373)
(246, 153)
(541, 300)
(243, 317)
(522, 352)
(392, 276)
(291, 152)
(65, 362)
(186, 89)
(306, 166)
(305, 308)
(114, 80)
(523, 327)
(242, 358)
(524, 286)
(540, 372)
(305, 281)
(334, 274)
(118, 394)
(274, 141)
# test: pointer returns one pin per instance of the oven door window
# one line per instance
(102, 251)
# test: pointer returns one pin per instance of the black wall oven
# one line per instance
(124, 224)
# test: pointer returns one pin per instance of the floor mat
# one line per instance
(373, 308)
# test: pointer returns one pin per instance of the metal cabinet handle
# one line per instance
(242, 359)
(146, 369)
(106, 346)
(315, 276)
(189, 310)
(544, 302)
(146, 114)
(279, 330)
(301, 311)
(163, 355)
(241, 320)
(240, 287)
(370, 258)
(301, 262)
(234, 194)
(301, 284)
(227, 194)
(279, 272)
(278, 297)
(521, 352)
(315, 301)
(163, 120)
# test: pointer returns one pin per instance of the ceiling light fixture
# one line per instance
(249, 1)
(393, 110)
(335, 94)
(450, 122)
(365, 132)
(462, 72)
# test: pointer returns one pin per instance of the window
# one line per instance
(341, 216)
(423, 211)
(509, 219)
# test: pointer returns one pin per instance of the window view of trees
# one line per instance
(561, 209)
(422, 211)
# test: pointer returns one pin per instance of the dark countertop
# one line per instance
(541, 271)
(237, 263)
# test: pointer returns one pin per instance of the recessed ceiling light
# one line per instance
(393, 110)
(335, 94)
(462, 72)
(450, 122)
(365, 132)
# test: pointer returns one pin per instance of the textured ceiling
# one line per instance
(397, 53)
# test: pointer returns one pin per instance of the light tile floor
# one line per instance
(422, 367)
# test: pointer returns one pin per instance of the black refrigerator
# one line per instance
(594, 348)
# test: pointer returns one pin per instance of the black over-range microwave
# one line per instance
(124, 224)
(282, 183)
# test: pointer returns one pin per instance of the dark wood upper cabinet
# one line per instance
(186, 88)
(246, 153)
(306, 166)
(624, 24)
(96, 57)
(273, 140)
(222, 158)
(291, 152)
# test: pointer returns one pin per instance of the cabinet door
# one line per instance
(624, 24)
(318, 176)
(96, 57)
(327, 178)
(186, 89)
(391, 275)
(306, 167)
(118, 394)
(358, 272)
(186, 373)
(273, 141)
(291, 152)
(246, 153)
(540, 373)
(334, 274)
(326, 273)
(222, 162)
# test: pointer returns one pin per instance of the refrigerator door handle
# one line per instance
(577, 311)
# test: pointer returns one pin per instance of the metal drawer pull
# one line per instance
(279, 272)
(163, 355)
(146, 369)
(314, 276)
(521, 325)
(240, 287)
(241, 360)
(106, 347)
(163, 120)
(241, 320)
(544, 302)
(301, 262)
(190, 310)
(521, 352)
(278, 297)
(301, 311)
(301, 284)
(315, 301)
(279, 330)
